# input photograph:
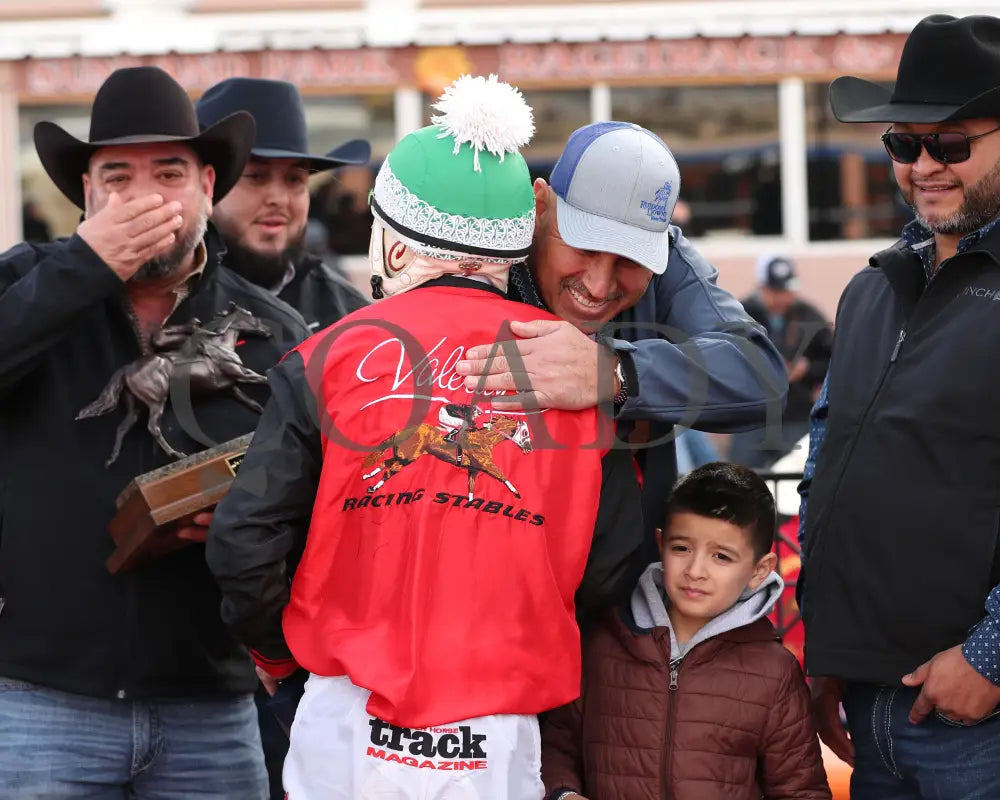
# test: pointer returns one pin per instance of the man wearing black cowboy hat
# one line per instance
(125, 683)
(263, 219)
(902, 535)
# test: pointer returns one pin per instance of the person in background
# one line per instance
(804, 338)
(34, 226)
(263, 219)
(694, 449)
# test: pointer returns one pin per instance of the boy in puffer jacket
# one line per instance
(687, 692)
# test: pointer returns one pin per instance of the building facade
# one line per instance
(737, 89)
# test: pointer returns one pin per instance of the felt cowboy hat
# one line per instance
(949, 70)
(144, 105)
(277, 109)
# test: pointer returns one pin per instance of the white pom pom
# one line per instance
(486, 113)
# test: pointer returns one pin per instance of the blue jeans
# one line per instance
(59, 746)
(935, 760)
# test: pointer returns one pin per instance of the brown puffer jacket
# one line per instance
(732, 723)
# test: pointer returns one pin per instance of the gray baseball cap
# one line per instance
(616, 185)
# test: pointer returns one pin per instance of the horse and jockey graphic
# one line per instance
(456, 440)
(457, 419)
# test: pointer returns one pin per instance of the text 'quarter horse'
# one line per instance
(472, 450)
(203, 358)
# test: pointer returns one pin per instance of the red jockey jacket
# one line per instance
(442, 582)
(441, 560)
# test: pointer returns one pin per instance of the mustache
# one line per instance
(578, 286)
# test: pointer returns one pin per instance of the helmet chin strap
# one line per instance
(375, 261)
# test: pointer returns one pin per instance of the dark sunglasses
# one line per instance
(945, 148)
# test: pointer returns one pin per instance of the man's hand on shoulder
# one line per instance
(554, 364)
(951, 685)
(127, 235)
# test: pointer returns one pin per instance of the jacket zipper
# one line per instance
(899, 345)
(126, 681)
(813, 552)
(125, 684)
(675, 668)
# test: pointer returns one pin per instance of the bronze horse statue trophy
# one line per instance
(203, 356)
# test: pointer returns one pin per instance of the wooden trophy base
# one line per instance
(155, 504)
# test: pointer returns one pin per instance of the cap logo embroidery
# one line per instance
(656, 209)
(781, 269)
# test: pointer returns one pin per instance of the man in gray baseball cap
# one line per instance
(645, 324)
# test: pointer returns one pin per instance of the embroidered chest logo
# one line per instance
(656, 209)
(458, 439)
(980, 292)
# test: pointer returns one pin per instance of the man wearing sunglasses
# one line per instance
(901, 558)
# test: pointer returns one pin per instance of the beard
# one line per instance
(264, 269)
(981, 205)
(168, 263)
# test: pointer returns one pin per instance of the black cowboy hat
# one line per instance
(140, 105)
(949, 70)
(277, 109)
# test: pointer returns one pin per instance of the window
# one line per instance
(725, 140)
(852, 194)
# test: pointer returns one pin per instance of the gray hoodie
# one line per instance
(649, 608)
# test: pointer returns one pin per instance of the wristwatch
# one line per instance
(622, 394)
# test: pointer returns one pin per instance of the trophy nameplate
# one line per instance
(155, 504)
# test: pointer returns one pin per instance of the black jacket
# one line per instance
(807, 334)
(66, 623)
(904, 507)
(321, 294)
